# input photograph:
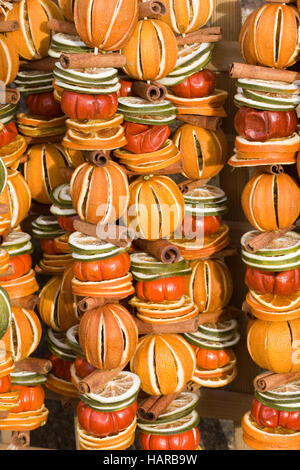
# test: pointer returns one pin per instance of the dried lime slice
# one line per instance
(116, 394)
(177, 426)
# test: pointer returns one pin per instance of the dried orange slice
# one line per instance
(94, 125)
(60, 386)
(263, 438)
(4, 261)
(241, 160)
(114, 288)
(9, 400)
(93, 142)
(116, 441)
(270, 314)
(215, 382)
(26, 119)
(216, 99)
(167, 150)
(21, 286)
(289, 144)
(280, 303)
(12, 152)
(61, 243)
(23, 334)
(25, 421)
(196, 249)
(6, 363)
(145, 169)
(204, 111)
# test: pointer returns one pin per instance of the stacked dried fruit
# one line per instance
(95, 103)
(266, 120)
(274, 419)
(267, 126)
(22, 397)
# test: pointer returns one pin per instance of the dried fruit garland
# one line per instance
(266, 122)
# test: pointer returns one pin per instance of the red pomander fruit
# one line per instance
(198, 85)
(260, 126)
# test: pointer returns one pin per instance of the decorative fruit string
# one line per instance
(267, 126)
(274, 419)
(22, 397)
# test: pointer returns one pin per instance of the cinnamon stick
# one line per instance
(188, 185)
(206, 122)
(153, 92)
(20, 439)
(97, 380)
(269, 380)
(192, 387)
(271, 169)
(151, 409)
(66, 172)
(152, 9)
(3, 208)
(29, 302)
(9, 26)
(33, 364)
(163, 250)
(9, 96)
(116, 234)
(98, 158)
(186, 326)
(88, 60)
(60, 26)
(238, 70)
(42, 65)
(212, 34)
(265, 238)
(146, 405)
(89, 303)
